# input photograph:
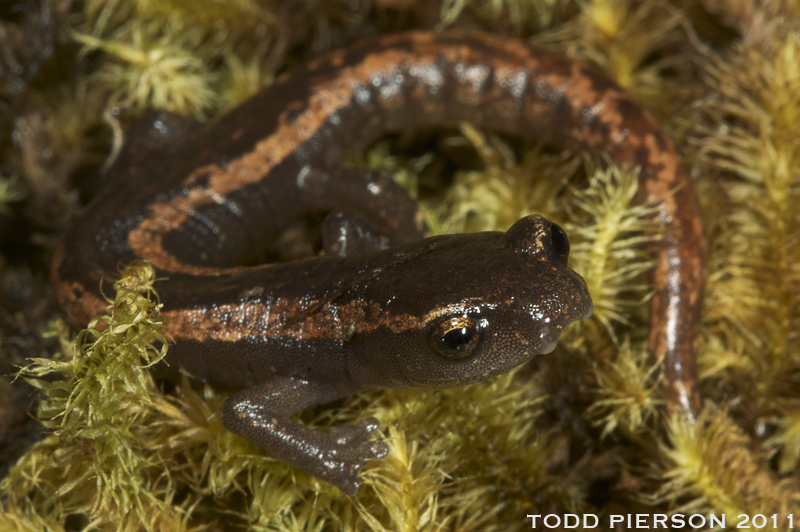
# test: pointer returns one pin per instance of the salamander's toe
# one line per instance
(352, 450)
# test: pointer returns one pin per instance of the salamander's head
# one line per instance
(485, 303)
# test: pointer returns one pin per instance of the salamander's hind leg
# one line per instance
(372, 195)
(262, 415)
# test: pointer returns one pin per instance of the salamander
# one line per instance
(384, 306)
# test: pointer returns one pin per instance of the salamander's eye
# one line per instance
(455, 337)
(559, 240)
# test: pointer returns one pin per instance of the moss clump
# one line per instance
(629, 393)
(709, 464)
(502, 189)
(751, 345)
(164, 55)
(98, 397)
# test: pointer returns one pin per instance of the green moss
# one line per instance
(157, 67)
(750, 341)
(519, 15)
(787, 437)
(709, 463)
(611, 233)
(640, 45)
(167, 55)
(503, 189)
(98, 404)
(10, 192)
(629, 395)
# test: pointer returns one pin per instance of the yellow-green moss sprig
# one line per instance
(244, 76)
(491, 436)
(520, 14)
(504, 190)
(623, 37)
(239, 14)
(748, 140)
(407, 483)
(10, 192)
(158, 65)
(96, 399)
(610, 232)
(786, 439)
(709, 467)
(628, 389)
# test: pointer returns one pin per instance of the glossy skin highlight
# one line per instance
(308, 332)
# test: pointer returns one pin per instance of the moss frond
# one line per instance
(239, 14)
(754, 107)
(610, 233)
(185, 57)
(635, 43)
(492, 434)
(10, 192)
(244, 76)
(407, 484)
(504, 190)
(724, 353)
(709, 467)
(787, 438)
(628, 390)
(617, 24)
(97, 396)
(158, 64)
(520, 14)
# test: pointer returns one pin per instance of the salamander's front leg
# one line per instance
(262, 414)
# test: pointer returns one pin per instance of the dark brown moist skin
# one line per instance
(438, 312)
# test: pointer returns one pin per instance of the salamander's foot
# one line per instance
(262, 414)
(349, 450)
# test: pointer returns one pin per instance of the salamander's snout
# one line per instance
(544, 287)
